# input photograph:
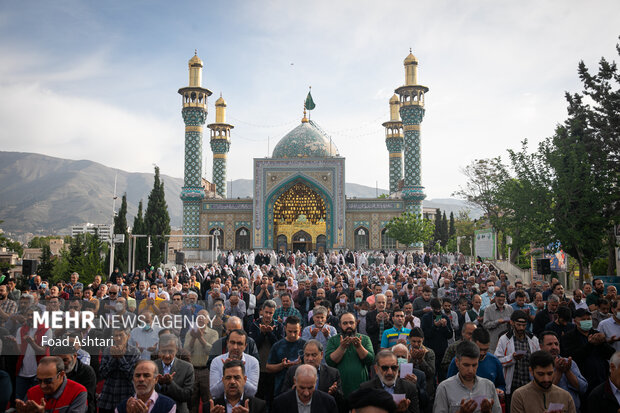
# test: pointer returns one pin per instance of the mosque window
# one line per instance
(387, 242)
(242, 239)
(361, 238)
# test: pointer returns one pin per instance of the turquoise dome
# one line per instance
(305, 141)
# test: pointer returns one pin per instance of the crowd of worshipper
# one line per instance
(302, 332)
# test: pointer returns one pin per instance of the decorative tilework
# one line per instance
(305, 141)
(379, 205)
(192, 192)
(226, 206)
(357, 224)
(240, 224)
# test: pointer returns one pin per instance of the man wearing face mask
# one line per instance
(497, 318)
(144, 337)
(489, 295)
(588, 348)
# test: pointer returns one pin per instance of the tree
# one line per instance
(603, 116)
(437, 231)
(139, 229)
(452, 228)
(579, 189)
(46, 265)
(409, 229)
(484, 180)
(120, 227)
(443, 230)
(157, 219)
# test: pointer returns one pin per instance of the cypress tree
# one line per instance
(452, 228)
(139, 229)
(444, 230)
(437, 233)
(120, 227)
(157, 220)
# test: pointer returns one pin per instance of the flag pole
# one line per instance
(310, 112)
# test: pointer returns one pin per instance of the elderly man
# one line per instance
(468, 329)
(329, 377)
(304, 398)
(144, 337)
(79, 373)
(377, 321)
(351, 353)
(116, 369)
(497, 318)
(54, 392)
(234, 398)
(146, 399)
(198, 341)
(387, 378)
(236, 344)
(319, 330)
(603, 397)
(176, 377)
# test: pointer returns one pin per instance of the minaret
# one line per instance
(220, 144)
(394, 142)
(411, 112)
(194, 115)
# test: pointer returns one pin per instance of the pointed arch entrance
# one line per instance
(300, 214)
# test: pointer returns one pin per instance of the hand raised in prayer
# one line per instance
(216, 409)
(242, 408)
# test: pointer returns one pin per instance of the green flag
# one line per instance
(309, 102)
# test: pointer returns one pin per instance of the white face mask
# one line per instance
(491, 289)
(363, 312)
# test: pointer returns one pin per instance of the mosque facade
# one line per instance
(299, 200)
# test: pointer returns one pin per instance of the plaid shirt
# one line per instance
(521, 375)
(283, 313)
(117, 374)
(8, 306)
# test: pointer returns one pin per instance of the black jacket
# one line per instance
(327, 376)
(592, 360)
(400, 387)
(373, 328)
(256, 405)
(287, 403)
(85, 375)
(602, 399)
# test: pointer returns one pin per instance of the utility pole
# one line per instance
(148, 247)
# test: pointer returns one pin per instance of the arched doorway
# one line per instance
(282, 244)
(321, 243)
(242, 239)
(219, 233)
(361, 238)
(302, 241)
(387, 242)
(299, 214)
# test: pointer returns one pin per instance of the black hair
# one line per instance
(481, 335)
(541, 359)
(467, 349)
(416, 332)
(292, 320)
(565, 313)
(233, 363)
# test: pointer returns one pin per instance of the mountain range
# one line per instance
(46, 195)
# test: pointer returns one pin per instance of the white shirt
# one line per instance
(144, 339)
(216, 374)
(610, 328)
(29, 363)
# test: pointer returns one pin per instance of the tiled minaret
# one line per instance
(220, 144)
(394, 142)
(411, 112)
(194, 115)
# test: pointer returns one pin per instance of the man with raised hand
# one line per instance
(235, 399)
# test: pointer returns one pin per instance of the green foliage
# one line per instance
(157, 220)
(84, 256)
(46, 265)
(10, 245)
(443, 230)
(139, 228)
(120, 227)
(599, 267)
(452, 228)
(409, 229)
(383, 196)
(40, 242)
(437, 230)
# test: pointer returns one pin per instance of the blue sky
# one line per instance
(98, 80)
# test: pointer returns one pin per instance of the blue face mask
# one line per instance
(358, 300)
(401, 360)
(585, 325)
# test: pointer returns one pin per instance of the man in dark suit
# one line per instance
(234, 379)
(603, 397)
(377, 321)
(329, 377)
(304, 398)
(176, 377)
(387, 378)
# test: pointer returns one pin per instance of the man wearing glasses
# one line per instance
(388, 379)
(54, 392)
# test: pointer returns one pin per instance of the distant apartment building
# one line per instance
(56, 245)
(104, 230)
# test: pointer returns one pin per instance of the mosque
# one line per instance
(299, 200)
